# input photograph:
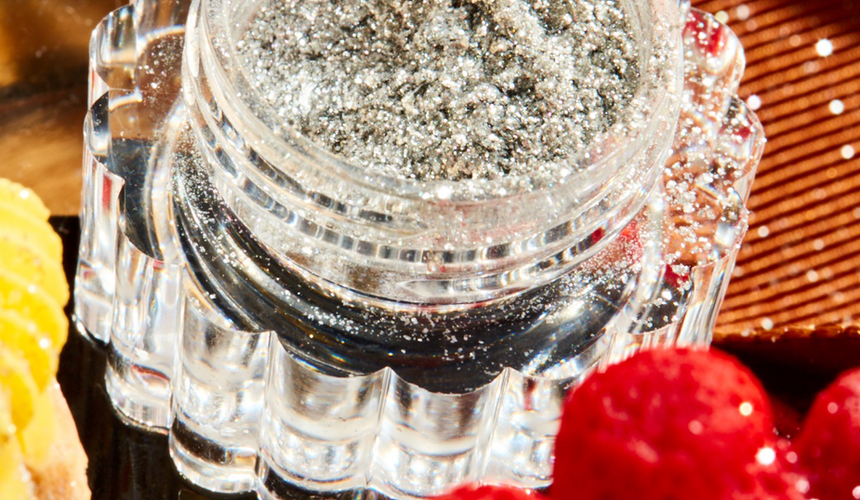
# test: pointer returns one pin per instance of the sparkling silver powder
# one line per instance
(445, 89)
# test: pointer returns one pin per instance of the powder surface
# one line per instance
(445, 89)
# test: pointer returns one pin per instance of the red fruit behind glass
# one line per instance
(828, 446)
(490, 493)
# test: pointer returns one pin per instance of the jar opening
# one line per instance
(447, 90)
(342, 222)
(469, 160)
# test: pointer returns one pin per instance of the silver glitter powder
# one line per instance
(445, 89)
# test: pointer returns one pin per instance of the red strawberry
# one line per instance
(472, 492)
(828, 446)
(669, 425)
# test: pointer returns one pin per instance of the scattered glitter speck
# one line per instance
(818, 244)
(847, 151)
(824, 47)
(743, 12)
(754, 102)
(802, 485)
(832, 408)
(836, 107)
(746, 408)
(856, 492)
(763, 232)
(767, 323)
(695, 427)
(812, 275)
(722, 16)
(795, 40)
(765, 456)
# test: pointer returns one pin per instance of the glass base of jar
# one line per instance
(217, 398)
(92, 316)
(327, 434)
(94, 276)
(80, 327)
(139, 395)
(145, 322)
(208, 464)
(273, 486)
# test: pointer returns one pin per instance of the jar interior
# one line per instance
(429, 242)
(652, 24)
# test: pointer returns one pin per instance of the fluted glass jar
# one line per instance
(300, 324)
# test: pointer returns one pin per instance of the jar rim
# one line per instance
(607, 156)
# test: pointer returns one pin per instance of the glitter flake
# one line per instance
(445, 89)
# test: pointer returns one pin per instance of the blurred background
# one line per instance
(798, 274)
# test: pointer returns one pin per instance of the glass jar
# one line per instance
(297, 324)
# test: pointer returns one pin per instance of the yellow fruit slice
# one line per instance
(34, 266)
(39, 435)
(33, 304)
(33, 329)
(23, 339)
(23, 393)
(31, 230)
(13, 320)
(12, 483)
(7, 426)
(16, 194)
(10, 450)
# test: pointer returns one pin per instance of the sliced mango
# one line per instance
(7, 426)
(23, 339)
(16, 194)
(12, 483)
(33, 304)
(34, 267)
(31, 230)
(39, 435)
(16, 378)
(33, 329)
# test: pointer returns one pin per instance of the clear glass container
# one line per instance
(300, 326)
